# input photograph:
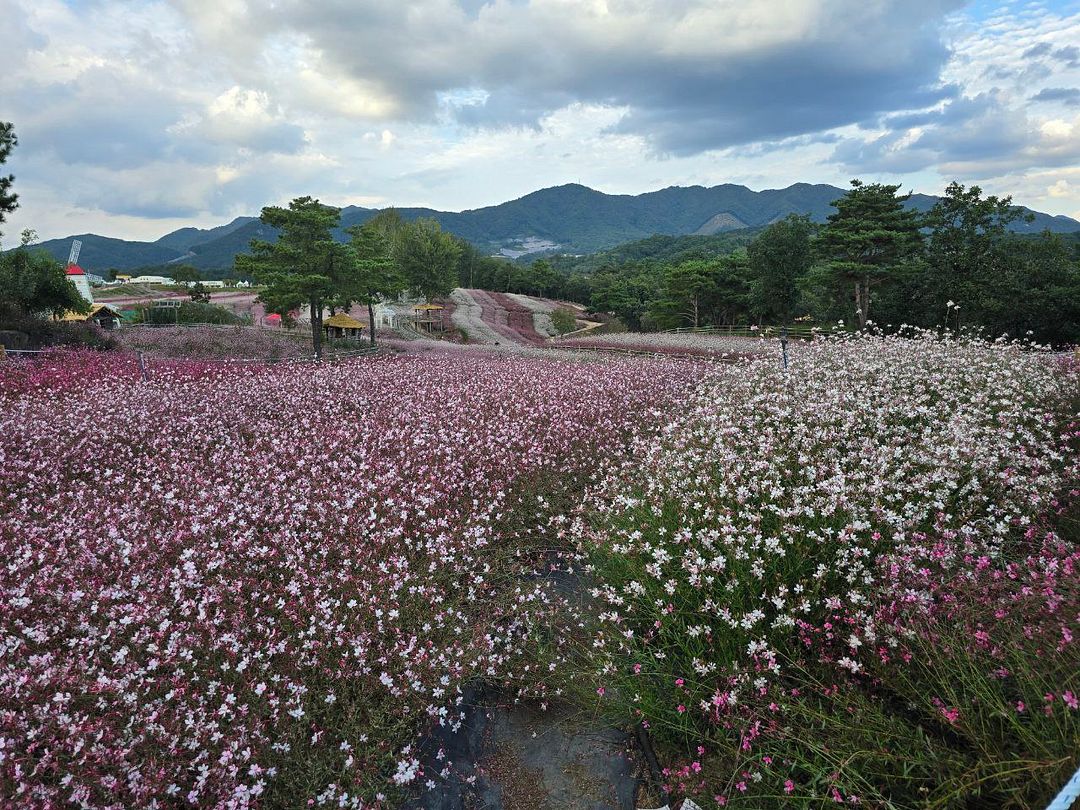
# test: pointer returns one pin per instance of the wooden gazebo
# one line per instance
(428, 317)
(343, 326)
(103, 315)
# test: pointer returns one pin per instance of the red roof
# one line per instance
(75, 270)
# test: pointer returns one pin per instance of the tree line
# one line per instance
(306, 266)
(873, 260)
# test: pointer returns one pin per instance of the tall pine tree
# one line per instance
(304, 266)
(869, 236)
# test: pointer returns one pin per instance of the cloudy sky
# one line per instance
(135, 118)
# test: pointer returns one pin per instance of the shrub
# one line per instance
(189, 312)
(44, 332)
(564, 320)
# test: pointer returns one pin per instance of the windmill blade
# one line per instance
(76, 247)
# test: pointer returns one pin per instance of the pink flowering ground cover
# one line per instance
(261, 583)
(684, 344)
(215, 342)
(856, 582)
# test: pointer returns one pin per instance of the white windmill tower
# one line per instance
(76, 275)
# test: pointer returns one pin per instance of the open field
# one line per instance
(267, 585)
(261, 583)
(687, 343)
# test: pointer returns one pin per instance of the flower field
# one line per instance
(858, 582)
(262, 583)
(215, 343)
(492, 317)
(686, 343)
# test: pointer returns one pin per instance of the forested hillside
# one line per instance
(569, 219)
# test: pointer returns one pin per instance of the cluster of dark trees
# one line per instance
(33, 284)
(306, 266)
(873, 260)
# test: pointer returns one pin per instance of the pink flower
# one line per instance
(789, 786)
(1070, 700)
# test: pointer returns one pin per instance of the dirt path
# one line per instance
(513, 757)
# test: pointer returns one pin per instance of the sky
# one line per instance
(136, 118)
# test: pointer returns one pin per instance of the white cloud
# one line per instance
(148, 113)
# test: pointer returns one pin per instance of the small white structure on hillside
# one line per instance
(385, 316)
(151, 280)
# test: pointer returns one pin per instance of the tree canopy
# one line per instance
(33, 282)
(304, 266)
(866, 240)
(779, 258)
(9, 200)
(427, 258)
(374, 275)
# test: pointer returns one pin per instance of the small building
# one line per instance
(428, 317)
(102, 314)
(385, 316)
(343, 326)
(123, 278)
(151, 280)
(77, 276)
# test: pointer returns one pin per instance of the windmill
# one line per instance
(75, 273)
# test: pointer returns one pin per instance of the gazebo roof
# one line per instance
(343, 321)
(426, 307)
(95, 311)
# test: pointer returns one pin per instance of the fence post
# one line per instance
(142, 367)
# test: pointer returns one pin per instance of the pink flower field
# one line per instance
(686, 344)
(256, 586)
(852, 581)
(216, 342)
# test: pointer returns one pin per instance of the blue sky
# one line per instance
(135, 118)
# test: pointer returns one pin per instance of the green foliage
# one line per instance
(374, 275)
(191, 312)
(968, 258)
(9, 201)
(427, 258)
(32, 281)
(564, 320)
(659, 249)
(304, 266)
(779, 259)
(185, 274)
(43, 331)
(866, 240)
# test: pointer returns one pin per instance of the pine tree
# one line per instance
(869, 236)
(304, 266)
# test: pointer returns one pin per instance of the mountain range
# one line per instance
(567, 219)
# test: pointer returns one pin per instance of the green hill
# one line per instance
(570, 219)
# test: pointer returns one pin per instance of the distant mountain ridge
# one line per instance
(575, 218)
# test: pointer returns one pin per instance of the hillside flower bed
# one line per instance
(687, 343)
(262, 583)
(857, 582)
(468, 317)
(215, 343)
(541, 313)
